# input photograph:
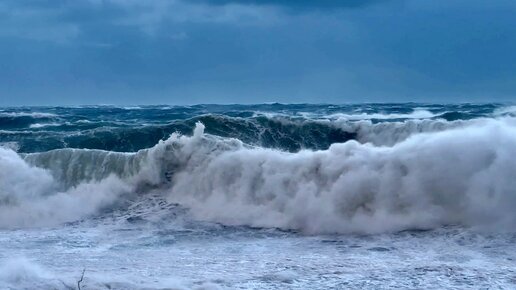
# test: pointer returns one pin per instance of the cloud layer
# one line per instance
(321, 4)
(117, 51)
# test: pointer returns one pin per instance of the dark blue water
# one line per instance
(288, 127)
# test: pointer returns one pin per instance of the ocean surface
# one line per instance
(269, 196)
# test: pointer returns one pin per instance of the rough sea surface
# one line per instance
(269, 196)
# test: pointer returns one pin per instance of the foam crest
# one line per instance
(459, 176)
(391, 133)
(505, 111)
(416, 114)
(33, 197)
(27, 114)
(462, 176)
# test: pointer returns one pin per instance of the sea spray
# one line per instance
(460, 176)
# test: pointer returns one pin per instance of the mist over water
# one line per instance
(239, 183)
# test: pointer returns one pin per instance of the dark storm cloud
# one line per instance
(132, 51)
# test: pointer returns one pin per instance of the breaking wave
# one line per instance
(461, 175)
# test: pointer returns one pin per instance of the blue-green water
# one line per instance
(287, 127)
(268, 196)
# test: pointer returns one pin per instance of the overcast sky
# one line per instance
(70, 52)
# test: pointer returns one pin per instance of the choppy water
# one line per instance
(271, 196)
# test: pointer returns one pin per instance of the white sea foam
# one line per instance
(416, 114)
(10, 145)
(505, 111)
(20, 273)
(390, 133)
(31, 196)
(43, 125)
(23, 273)
(27, 114)
(132, 108)
(462, 176)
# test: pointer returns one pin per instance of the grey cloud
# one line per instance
(298, 4)
(63, 20)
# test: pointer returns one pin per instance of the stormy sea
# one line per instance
(268, 196)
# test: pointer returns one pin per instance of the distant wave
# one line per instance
(281, 132)
(13, 120)
(505, 111)
(43, 125)
(416, 114)
(27, 114)
(463, 175)
(286, 127)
